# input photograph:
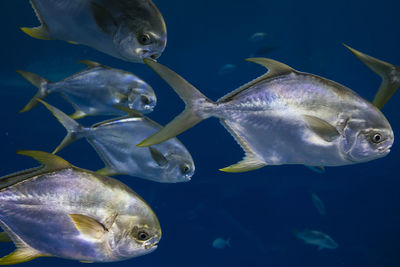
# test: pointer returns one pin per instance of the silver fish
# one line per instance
(220, 243)
(317, 238)
(318, 204)
(115, 142)
(95, 90)
(63, 211)
(127, 29)
(285, 117)
(389, 73)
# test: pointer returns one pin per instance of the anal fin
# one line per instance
(249, 162)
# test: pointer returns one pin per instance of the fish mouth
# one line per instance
(384, 150)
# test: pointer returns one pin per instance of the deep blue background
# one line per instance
(258, 210)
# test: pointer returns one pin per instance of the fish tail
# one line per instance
(389, 73)
(198, 107)
(75, 130)
(38, 82)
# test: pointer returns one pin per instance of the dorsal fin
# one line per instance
(40, 32)
(49, 161)
(89, 63)
(275, 68)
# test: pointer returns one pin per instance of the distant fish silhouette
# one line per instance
(226, 69)
(258, 36)
(318, 204)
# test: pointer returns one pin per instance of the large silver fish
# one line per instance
(95, 90)
(115, 142)
(59, 210)
(127, 29)
(317, 238)
(285, 117)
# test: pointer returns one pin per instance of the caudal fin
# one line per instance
(38, 82)
(198, 106)
(389, 73)
(75, 130)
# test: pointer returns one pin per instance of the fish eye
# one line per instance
(142, 235)
(144, 39)
(185, 169)
(376, 138)
(145, 100)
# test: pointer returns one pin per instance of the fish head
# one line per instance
(141, 97)
(367, 136)
(180, 167)
(135, 234)
(141, 35)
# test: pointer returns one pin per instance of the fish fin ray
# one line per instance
(74, 129)
(250, 161)
(198, 106)
(89, 63)
(39, 83)
(20, 255)
(389, 73)
(322, 128)
(88, 226)
(275, 68)
(50, 161)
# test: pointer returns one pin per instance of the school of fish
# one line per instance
(282, 117)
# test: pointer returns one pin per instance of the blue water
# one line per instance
(258, 210)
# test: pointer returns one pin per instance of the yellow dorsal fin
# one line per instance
(88, 226)
(37, 32)
(20, 255)
(89, 63)
(50, 161)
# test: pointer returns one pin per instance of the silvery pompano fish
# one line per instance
(389, 73)
(285, 117)
(115, 142)
(317, 238)
(95, 90)
(58, 210)
(127, 29)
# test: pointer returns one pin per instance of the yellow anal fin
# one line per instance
(20, 255)
(247, 164)
(37, 32)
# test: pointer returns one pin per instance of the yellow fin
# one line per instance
(72, 42)
(106, 172)
(37, 32)
(4, 237)
(78, 115)
(88, 226)
(20, 255)
(50, 161)
(87, 261)
(89, 63)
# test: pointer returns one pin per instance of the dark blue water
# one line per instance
(258, 210)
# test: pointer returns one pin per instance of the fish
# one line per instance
(126, 29)
(95, 90)
(389, 73)
(115, 142)
(285, 117)
(318, 204)
(221, 243)
(59, 210)
(258, 36)
(226, 69)
(317, 238)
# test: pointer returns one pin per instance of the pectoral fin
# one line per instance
(158, 156)
(88, 226)
(20, 255)
(103, 18)
(322, 128)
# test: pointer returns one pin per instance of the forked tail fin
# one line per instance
(198, 106)
(75, 130)
(39, 83)
(389, 73)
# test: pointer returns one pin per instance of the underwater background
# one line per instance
(258, 211)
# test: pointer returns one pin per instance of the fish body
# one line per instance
(286, 117)
(62, 211)
(127, 29)
(95, 90)
(115, 142)
(318, 204)
(317, 238)
(221, 243)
